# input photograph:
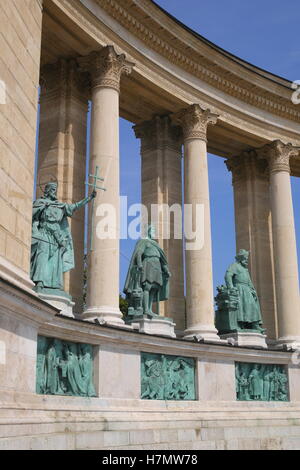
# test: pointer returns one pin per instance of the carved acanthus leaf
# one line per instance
(194, 121)
(278, 155)
(106, 67)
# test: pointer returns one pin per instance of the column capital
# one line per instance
(159, 132)
(278, 155)
(106, 67)
(246, 165)
(194, 121)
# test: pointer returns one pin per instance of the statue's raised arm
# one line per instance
(52, 251)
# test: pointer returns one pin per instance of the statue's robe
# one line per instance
(249, 308)
(256, 384)
(152, 268)
(50, 228)
(53, 380)
(86, 367)
(74, 376)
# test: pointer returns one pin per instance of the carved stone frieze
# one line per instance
(162, 40)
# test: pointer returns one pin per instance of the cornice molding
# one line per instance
(195, 63)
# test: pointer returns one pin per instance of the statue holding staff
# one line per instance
(52, 251)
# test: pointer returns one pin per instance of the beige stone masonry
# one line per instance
(19, 70)
(253, 228)
(161, 179)
(62, 152)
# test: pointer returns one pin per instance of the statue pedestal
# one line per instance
(58, 299)
(161, 326)
(246, 338)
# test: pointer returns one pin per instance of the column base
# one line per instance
(201, 333)
(288, 343)
(247, 338)
(104, 314)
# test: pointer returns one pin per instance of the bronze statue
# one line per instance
(148, 276)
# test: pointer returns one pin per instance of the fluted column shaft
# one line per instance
(199, 279)
(284, 239)
(106, 68)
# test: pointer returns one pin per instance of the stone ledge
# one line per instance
(82, 331)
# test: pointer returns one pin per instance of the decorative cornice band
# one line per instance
(196, 63)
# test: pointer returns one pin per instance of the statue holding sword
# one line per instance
(148, 277)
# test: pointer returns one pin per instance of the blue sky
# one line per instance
(261, 32)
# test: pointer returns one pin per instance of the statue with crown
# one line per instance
(52, 252)
(238, 314)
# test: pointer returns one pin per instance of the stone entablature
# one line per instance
(270, 92)
(254, 106)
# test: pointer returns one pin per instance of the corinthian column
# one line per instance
(105, 68)
(161, 154)
(198, 255)
(285, 252)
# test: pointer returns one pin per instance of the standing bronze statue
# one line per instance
(237, 302)
(148, 276)
(52, 251)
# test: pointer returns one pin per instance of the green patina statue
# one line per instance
(261, 382)
(237, 302)
(52, 251)
(147, 278)
(167, 377)
(64, 368)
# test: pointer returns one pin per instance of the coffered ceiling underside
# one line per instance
(140, 99)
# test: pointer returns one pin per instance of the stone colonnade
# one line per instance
(264, 220)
